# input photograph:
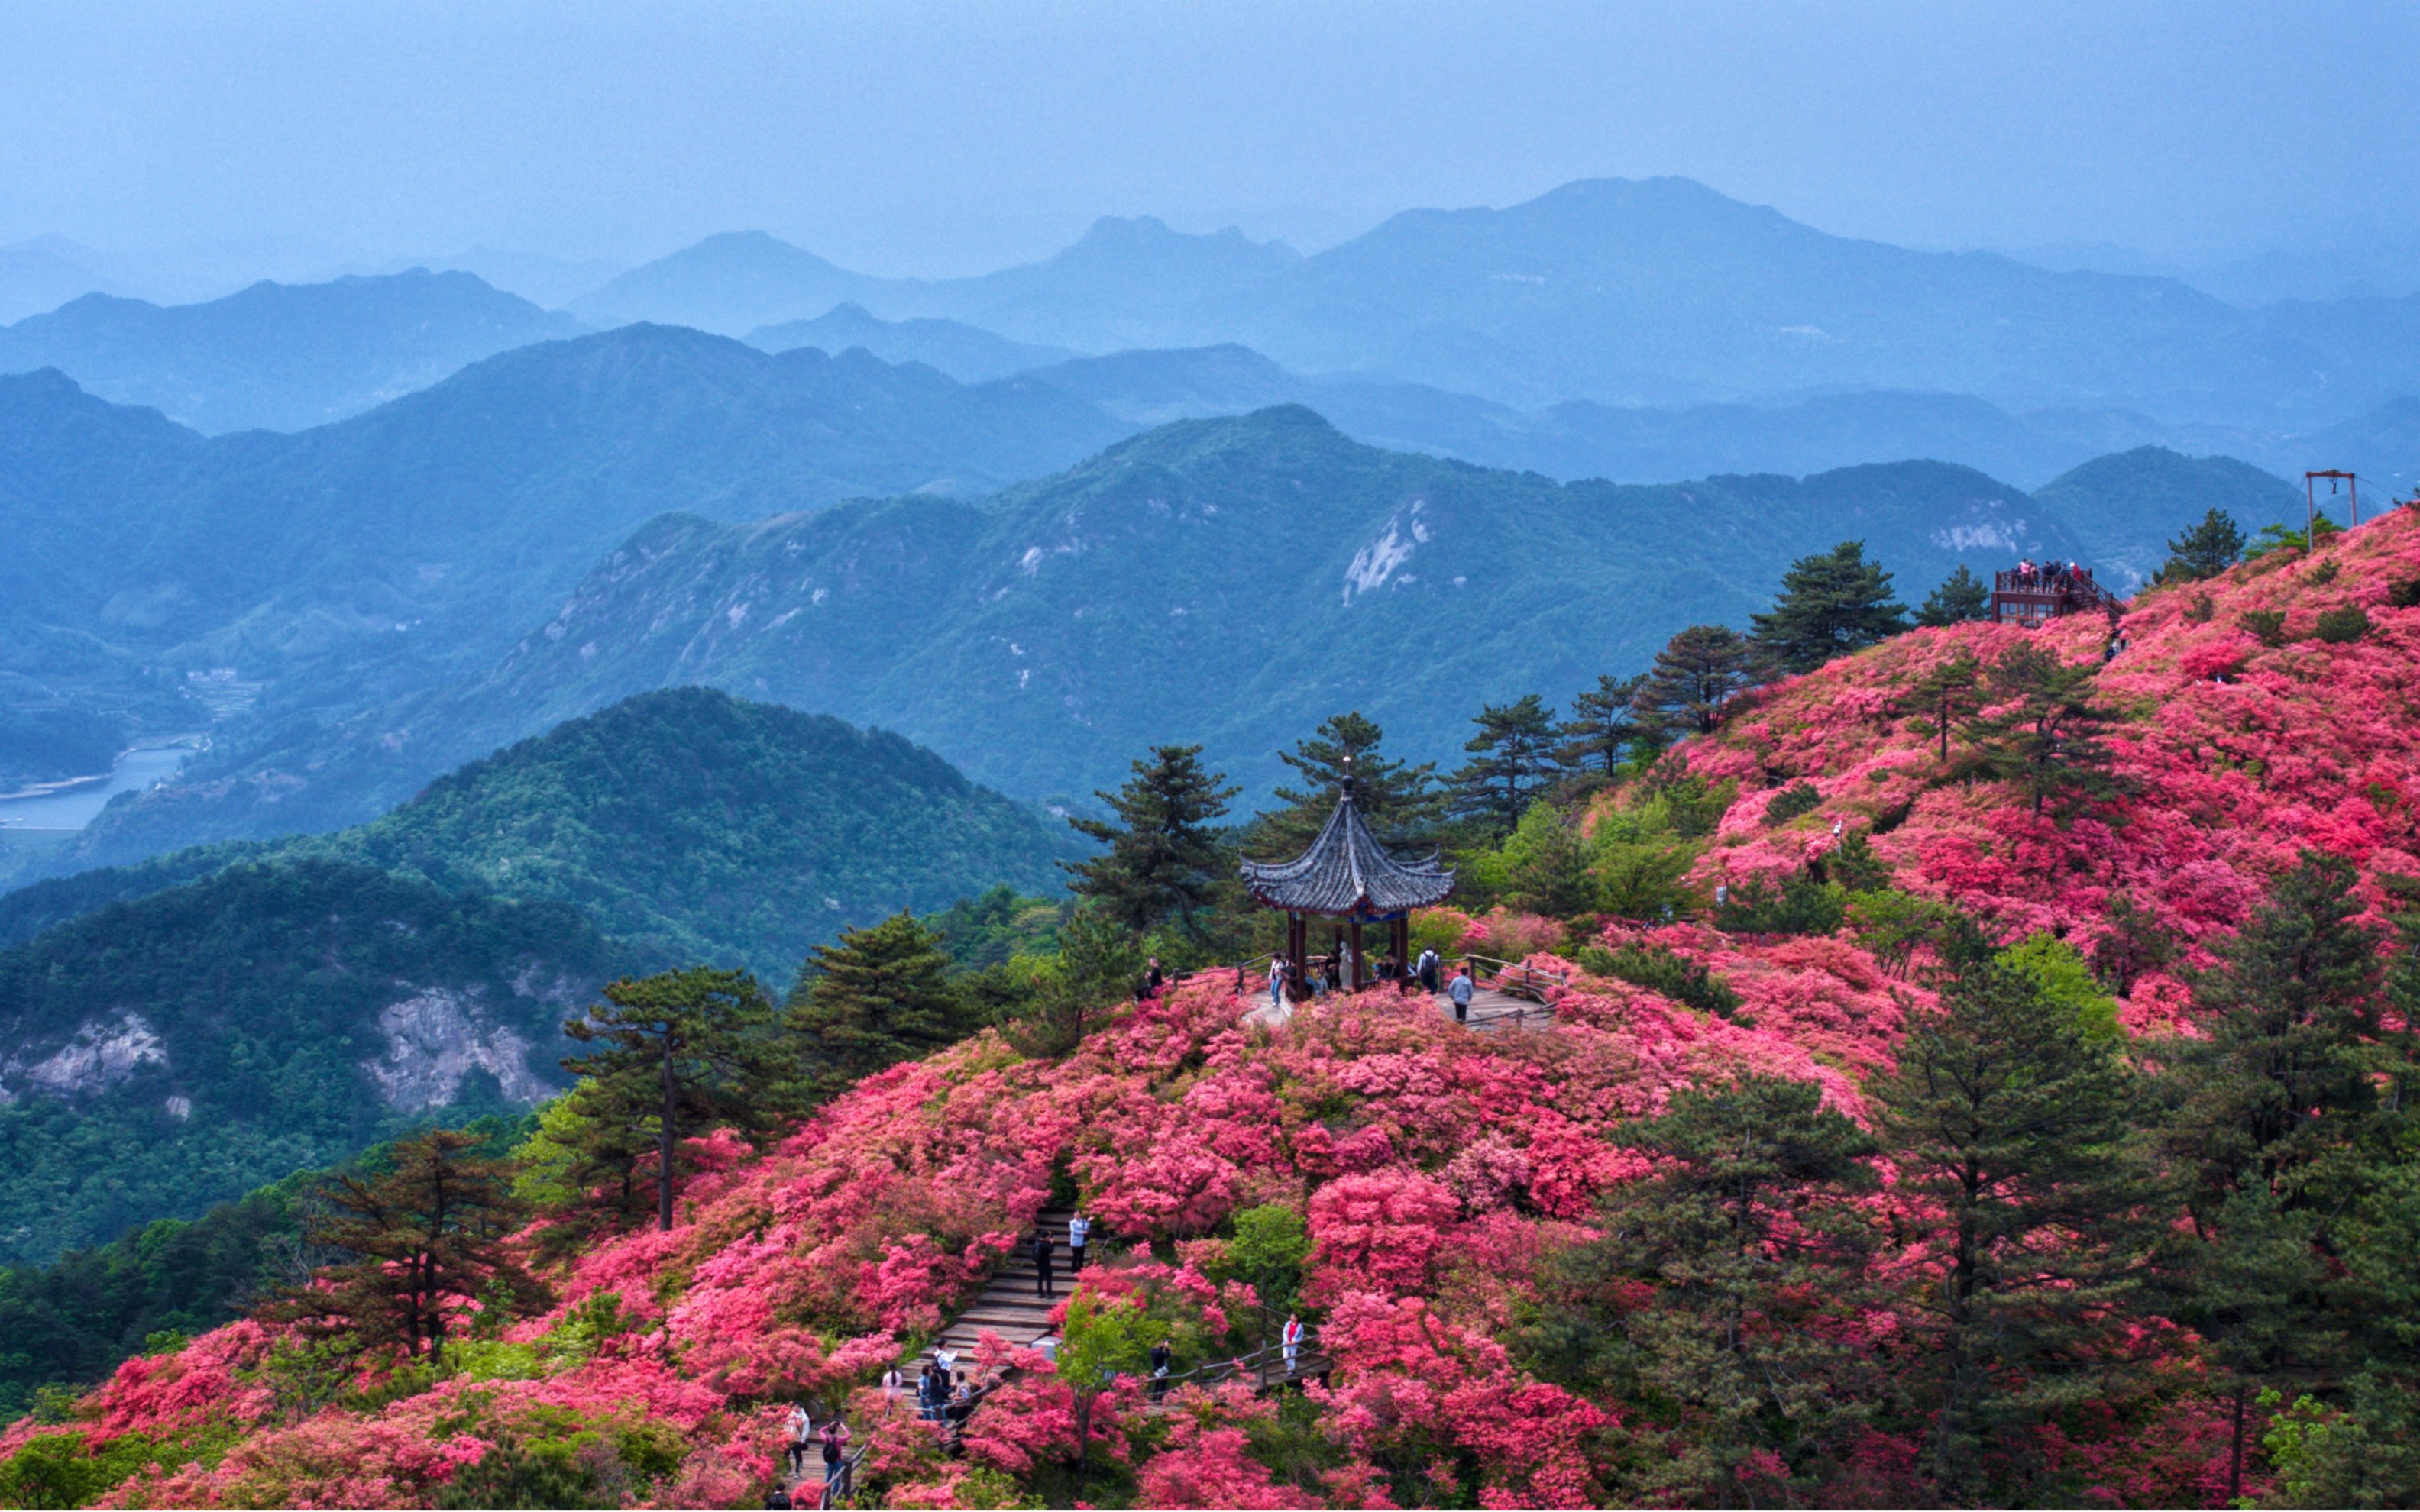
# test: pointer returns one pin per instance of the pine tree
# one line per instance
(1509, 759)
(2281, 1113)
(1727, 1283)
(1400, 802)
(2008, 1121)
(1961, 596)
(876, 997)
(1163, 859)
(680, 1053)
(1695, 676)
(2045, 734)
(1831, 604)
(1098, 961)
(2204, 551)
(1603, 727)
(1947, 694)
(428, 1239)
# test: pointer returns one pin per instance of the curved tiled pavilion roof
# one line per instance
(1346, 872)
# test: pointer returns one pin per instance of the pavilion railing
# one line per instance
(1517, 979)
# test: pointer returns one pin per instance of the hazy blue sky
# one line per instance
(907, 137)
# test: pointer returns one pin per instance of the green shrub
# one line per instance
(1660, 970)
(2405, 594)
(1854, 865)
(1799, 906)
(1796, 799)
(2342, 626)
(2200, 610)
(2324, 573)
(2266, 625)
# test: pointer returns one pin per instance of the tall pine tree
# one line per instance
(1511, 756)
(2281, 1110)
(1603, 727)
(1831, 604)
(2206, 551)
(1959, 597)
(1694, 681)
(2009, 1120)
(2043, 733)
(427, 1241)
(874, 997)
(677, 1054)
(1726, 1287)
(1399, 801)
(1163, 859)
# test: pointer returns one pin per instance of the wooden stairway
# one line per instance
(1007, 1305)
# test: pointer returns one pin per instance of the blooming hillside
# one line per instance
(1452, 1186)
(2237, 752)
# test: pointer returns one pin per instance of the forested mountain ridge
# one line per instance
(2096, 967)
(182, 1048)
(336, 570)
(1212, 579)
(280, 356)
(685, 824)
(177, 1033)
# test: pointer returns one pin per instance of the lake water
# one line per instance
(78, 807)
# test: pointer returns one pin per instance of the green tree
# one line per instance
(425, 1238)
(2044, 734)
(2204, 551)
(2007, 1118)
(2284, 1109)
(1097, 961)
(1510, 761)
(2133, 942)
(1961, 596)
(1831, 603)
(1399, 801)
(1163, 858)
(874, 997)
(1695, 678)
(1603, 729)
(1546, 865)
(679, 1053)
(1103, 1338)
(1267, 1253)
(1947, 694)
(1752, 1249)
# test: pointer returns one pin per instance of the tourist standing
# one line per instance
(1428, 970)
(836, 1458)
(1080, 1233)
(802, 1437)
(1161, 1357)
(1291, 1337)
(1277, 982)
(1462, 991)
(1041, 1247)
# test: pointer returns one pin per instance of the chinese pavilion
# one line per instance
(1347, 875)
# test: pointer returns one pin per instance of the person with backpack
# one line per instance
(1161, 1357)
(778, 1499)
(1463, 988)
(836, 1458)
(1427, 969)
(1042, 1285)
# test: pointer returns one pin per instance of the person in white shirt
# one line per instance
(1079, 1232)
(1291, 1336)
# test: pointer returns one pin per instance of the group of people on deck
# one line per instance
(1323, 974)
(2057, 576)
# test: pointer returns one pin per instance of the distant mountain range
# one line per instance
(279, 356)
(1230, 582)
(968, 353)
(1656, 292)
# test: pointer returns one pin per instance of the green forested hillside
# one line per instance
(2130, 503)
(163, 1054)
(687, 825)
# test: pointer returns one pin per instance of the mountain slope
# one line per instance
(2132, 504)
(342, 566)
(687, 825)
(1226, 581)
(279, 356)
(968, 353)
(164, 1054)
(727, 283)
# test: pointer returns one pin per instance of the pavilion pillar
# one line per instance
(1356, 945)
(1298, 941)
